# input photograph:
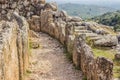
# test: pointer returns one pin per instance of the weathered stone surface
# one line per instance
(26, 8)
(107, 41)
(117, 56)
(76, 19)
(33, 34)
(22, 43)
(34, 45)
(118, 36)
(76, 53)
(34, 23)
(77, 48)
(13, 48)
(98, 28)
(9, 62)
(51, 6)
(58, 23)
(94, 69)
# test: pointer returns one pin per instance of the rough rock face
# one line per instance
(9, 69)
(13, 48)
(107, 41)
(67, 29)
(33, 34)
(26, 8)
(22, 44)
(94, 69)
(53, 25)
(51, 6)
(117, 56)
(35, 23)
(61, 26)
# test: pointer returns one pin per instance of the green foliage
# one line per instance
(84, 11)
(28, 71)
(84, 78)
(89, 41)
(110, 19)
(104, 52)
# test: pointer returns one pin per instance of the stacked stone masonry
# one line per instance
(14, 36)
(26, 8)
(70, 31)
(65, 29)
(82, 55)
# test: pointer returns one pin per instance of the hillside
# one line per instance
(110, 19)
(84, 11)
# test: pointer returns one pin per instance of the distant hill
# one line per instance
(84, 11)
(110, 19)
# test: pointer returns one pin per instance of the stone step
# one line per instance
(83, 31)
(80, 28)
(91, 35)
(95, 38)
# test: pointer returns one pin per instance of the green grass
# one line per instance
(27, 73)
(67, 54)
(29, 47)
(104, 52)
(116, 68)
(109, 53)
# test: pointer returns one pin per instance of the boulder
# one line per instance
(98, 28)
(63, 13)
(22, 42)
(118, 36)
(51, 6)
(117, 56)
(13, 48)
(107, 41)
(34, 23)
(76, 19)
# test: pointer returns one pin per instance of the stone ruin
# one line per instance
(70, 31)
(13, 48)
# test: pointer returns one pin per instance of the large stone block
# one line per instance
(13, 48)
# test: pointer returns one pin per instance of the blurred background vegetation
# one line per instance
(102, 15)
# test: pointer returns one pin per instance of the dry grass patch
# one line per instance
(109, 53)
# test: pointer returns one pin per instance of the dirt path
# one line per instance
(50, 63)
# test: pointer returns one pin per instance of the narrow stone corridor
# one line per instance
(48, 62)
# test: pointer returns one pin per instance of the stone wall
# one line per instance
(13, 48)
(67, 29)
(63, 27)
(26, 8)
(98, 68)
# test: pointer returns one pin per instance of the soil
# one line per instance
(48, 62)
